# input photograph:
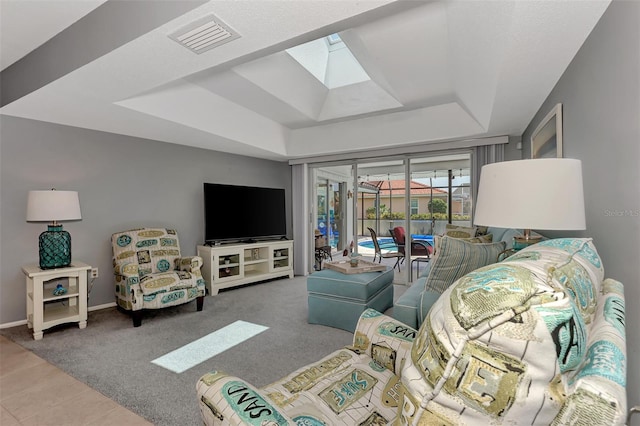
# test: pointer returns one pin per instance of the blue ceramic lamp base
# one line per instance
(55, 248)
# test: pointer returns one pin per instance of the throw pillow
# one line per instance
(460, 231)
(436, 245)
(488, 238)
(456, 258)
(485, 239)
(482, 230)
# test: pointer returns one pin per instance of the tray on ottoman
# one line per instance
(345, 267)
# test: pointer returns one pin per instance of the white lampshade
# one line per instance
(540, 193)
(48, 206)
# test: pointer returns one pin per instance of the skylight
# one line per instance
(330, 61)
(334, 39)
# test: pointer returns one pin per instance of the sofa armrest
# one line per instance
(229, 400)
(386, 340)
(128, 291)
(126, 269)
(427, 299)
(598, 387)
(405, 308)
(189, 263)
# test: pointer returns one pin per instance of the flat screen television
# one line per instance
(243, 213)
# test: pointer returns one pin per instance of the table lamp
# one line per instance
(53, 206)
(544, 193)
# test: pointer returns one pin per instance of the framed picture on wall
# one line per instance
(546, 139)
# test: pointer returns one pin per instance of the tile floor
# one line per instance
(34, 392)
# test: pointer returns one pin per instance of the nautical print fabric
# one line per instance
(536, 339)
(150, 271)
(357, 385)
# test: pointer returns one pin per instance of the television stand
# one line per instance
(238, 264)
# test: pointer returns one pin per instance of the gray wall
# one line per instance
(511, 150)
(600, 94)
(123, 182)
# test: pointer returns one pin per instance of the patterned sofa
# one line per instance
(151, 273)
(536, 339)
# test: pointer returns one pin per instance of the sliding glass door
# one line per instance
(381, 204)
(332, 212)
(417, 193)
(440, 193)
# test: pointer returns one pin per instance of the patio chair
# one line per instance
(379, 254)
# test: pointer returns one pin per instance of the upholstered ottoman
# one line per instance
(337, 299)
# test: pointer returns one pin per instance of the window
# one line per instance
(414, 206)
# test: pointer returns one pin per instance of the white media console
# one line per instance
(232, 265)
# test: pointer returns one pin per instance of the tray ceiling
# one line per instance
(437, 70)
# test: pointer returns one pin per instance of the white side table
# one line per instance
(44, 309)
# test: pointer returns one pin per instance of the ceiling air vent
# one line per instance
(204, 34)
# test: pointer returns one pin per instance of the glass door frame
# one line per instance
(358, 164)
(406, 159)
(338, 229)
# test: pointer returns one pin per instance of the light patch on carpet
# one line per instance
(208, 346)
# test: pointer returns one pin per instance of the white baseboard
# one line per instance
(90, 309)
(98, 307)
(13, 324)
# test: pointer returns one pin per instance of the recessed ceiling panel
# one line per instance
(285, 79)
(408, 53)
(356, 99)
(241, 91)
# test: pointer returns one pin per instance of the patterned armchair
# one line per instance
(150, 272)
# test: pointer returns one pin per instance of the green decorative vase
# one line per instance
(55, 248)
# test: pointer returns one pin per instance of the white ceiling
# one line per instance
(440, 70)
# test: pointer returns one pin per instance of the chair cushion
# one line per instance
(457, 258)
(152, 249)
(418, 247)
(162, 282)
(399, 234)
